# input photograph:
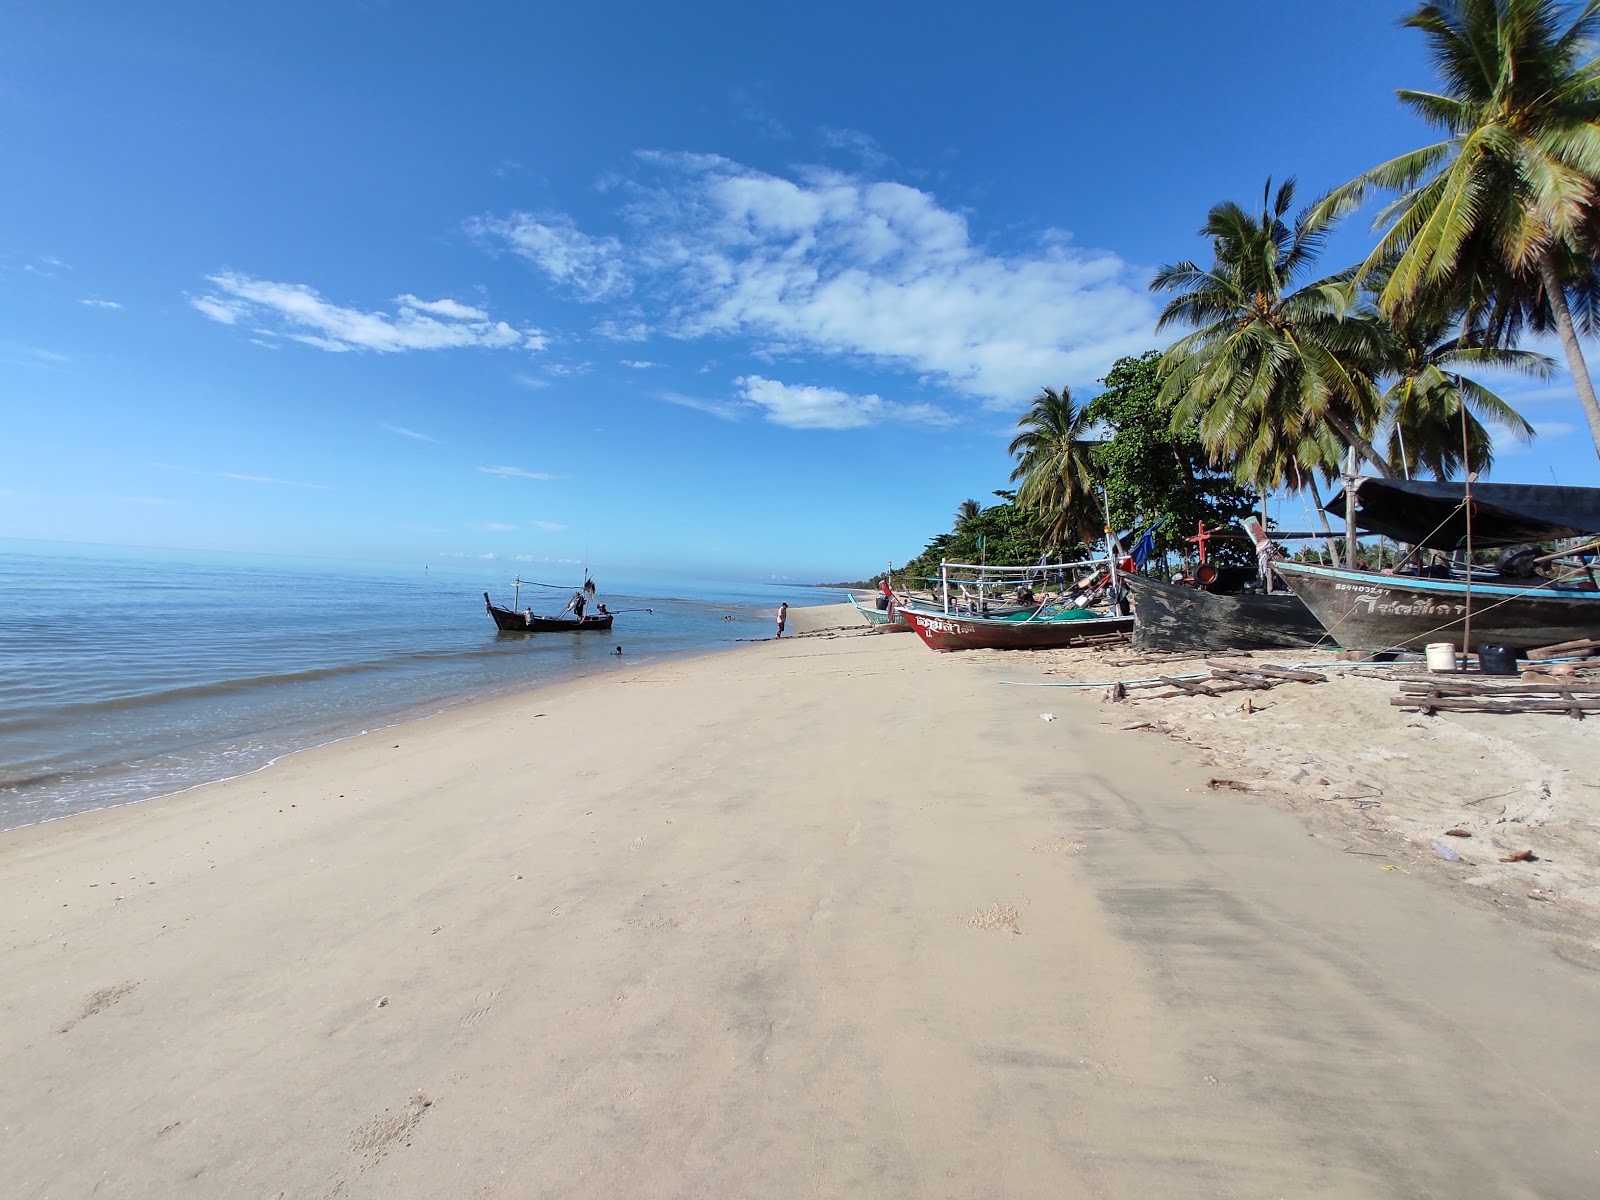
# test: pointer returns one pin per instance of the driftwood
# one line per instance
(1581, 648)
(1473, 687)
(1486, 704)
(1276, 672)
(1192, 687)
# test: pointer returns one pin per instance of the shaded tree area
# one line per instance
(1155, 475)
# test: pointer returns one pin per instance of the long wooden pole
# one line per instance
(1350, 508)
(1466, 504)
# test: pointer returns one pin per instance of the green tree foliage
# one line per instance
(1154, 474)
(1503, 214)
(1010, 535)
(1055, 468)
(1275, 366)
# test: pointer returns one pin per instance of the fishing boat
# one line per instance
(1368, 610)
(1513, 605)
(1022, 631)
(1170, 617)
(510, 621)
(881, 618)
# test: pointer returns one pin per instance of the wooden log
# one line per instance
(1260, 682)
(1580, 648)
(1188, 685)
(1524, 704)
(1276, 672)
(1467, 687)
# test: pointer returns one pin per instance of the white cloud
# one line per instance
(316, 487)
(497, 527)
(411, 433)
(639, 364)
(450, 309)
(591, 267)
(807, 407)
(1552, 429)
(532, 382)
(100, 303)
(853, 141)
(298, 312)
(516, 473)
(728, 410)
(548, 526)
(875, 273)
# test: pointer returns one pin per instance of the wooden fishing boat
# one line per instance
(887, 619)
(1367, 610)
(510, 621)
(1168, 617)
(942, 632)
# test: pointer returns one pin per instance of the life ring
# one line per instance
(1206, 575)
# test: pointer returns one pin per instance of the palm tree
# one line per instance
(1508, 201)
(1272, 369)
(966, 511)
(1431, 408)
(1055, 468)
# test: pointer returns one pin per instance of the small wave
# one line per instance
(229, 687)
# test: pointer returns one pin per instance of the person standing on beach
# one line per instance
(783, 616)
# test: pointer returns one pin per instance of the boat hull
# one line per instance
(1363, 610)
(941, 632)
(1167, 617)
(880, 618)
(510, 621)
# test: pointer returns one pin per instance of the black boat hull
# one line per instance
(1363, 610)
(508, 621)
(1167, 617)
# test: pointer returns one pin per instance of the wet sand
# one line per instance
(826, 916)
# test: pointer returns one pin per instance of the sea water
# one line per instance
(130, 674)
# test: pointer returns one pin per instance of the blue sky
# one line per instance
(721, 288)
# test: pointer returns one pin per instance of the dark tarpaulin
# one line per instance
(1429, 513)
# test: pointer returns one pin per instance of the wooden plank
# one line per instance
(1277, 672)
(1523, 704)
(1259, 682)
(1582, 647)
(1188, 685)
(1463, 687)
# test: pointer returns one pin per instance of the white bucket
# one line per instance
(1441, 656)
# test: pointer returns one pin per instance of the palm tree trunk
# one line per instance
(1316, 499)
(1368, 451)
(1569, 343)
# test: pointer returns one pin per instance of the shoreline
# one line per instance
(837, 916)
(829, 615)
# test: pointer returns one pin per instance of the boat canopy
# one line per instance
(1429, 513)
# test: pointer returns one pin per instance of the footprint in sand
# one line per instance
(1059, 846)
(998, 918)
(99, 1002)
(485, 1005)
(388, 1127)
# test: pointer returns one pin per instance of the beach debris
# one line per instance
(1457, 833)
(1231, 784)
(1446, 853)
(1580, 648)
(1047, 716)
(1573, 697)
(383, 1002)
(1520, 856)
(1538, 894)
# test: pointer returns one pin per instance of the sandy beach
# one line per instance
(825, 916)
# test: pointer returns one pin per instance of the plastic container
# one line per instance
(1441, 656)
(1496, 659)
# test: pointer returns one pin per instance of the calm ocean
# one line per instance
(131, 674)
